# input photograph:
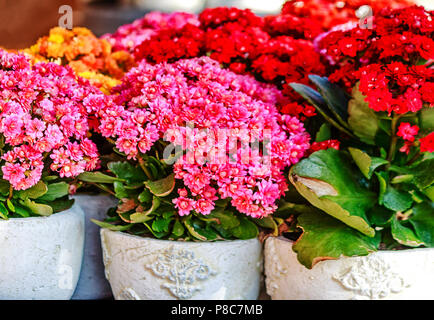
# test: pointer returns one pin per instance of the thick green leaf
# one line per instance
(382, 182)
(112, 226)
(426, 120)
(268, 223)
(334, 96)
(423, 174)
(145, 196)
(38, 208)
(397, 200)
(161, 224)
(362, 120)
(329, 182)
(144, 216)
(178, 229)
(3, 212)
(366, 164)
(55, 191)
(225, 218)
(246, 230)
(315, 99)
(189, 225)
(60, 204)
(380, 216)
(126, 171)
(97, 177)
(163, 187)
(120, 191)
(10, 205)
(422, 220)
(38, 190)
(324, 133)
(22, 211)
(325, 238)
(4, 187)
(404, 235)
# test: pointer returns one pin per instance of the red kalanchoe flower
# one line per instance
(407, 131)
(427, 143)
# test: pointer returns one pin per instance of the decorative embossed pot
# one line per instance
(403, 274)
(92, 284)
(40, 257)
(151, 269)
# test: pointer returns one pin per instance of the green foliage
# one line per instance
(48, 196)
(145, 191)
(368, 191)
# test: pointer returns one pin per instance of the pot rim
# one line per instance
(74, 208)
(186, 243)
(281, 238)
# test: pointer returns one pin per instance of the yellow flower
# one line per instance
(56, 38)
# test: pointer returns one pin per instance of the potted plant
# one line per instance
(43, 143)
(198, 165)
(367, 204)
(93, 59)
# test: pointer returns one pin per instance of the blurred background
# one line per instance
(22, 22)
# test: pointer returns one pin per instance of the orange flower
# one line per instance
(88, 56)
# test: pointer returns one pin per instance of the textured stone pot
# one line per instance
(150, 269)
(92, 284)
(390, 275)
(40, 257)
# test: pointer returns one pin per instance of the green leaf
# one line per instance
(139, 217)
(60, 204)
(22, 211)
(404, 235)
(38, 208)
(178, 229)
(325, 238)
(324, 133)
(3, 212)
(429, 192)
(397, 200)
(315, 99)
(4, 187)
(163, 187)
(97, 177)
(334, 96)
(268, 223)
(423, 173)
(126, 171)
(225, 218)
(145, 196)
(422, 220)
(112, 226)
(188, 224)
(55, 191)
(366, 164)
(382, 181)
(328, 181)
(38, 190)
(362, 120)
(10, 205)
(120, 191)
(380, 216)
(161, 224)
(246, 230)
(426, 120)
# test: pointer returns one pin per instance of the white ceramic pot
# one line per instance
(148, 269)
(390, 275)
(40, 257)
(92, 284)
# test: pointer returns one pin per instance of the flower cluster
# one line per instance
(128, 36)
(44, 120)
(235, 144)
(326, 14)
(88, 56)
(266, 48)
(401, 35)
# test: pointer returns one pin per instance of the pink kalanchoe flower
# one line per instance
(43, 116)
(234, 142)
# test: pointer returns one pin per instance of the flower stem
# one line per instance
(393, 143)
(143, 166)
